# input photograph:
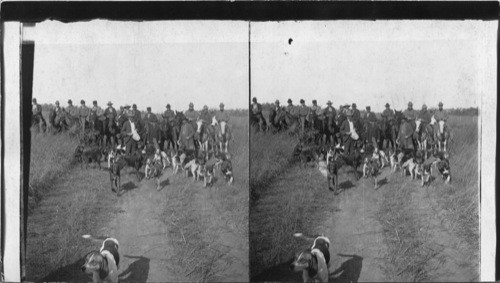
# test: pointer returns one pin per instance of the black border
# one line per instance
(28, 11)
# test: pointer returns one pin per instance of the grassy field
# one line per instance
(67, 202)
(204, 239)
(285, 200)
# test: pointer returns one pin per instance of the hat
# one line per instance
(134, 106)
(148, 108)
(289, 100)
(57, 102)
(69, 101)
(221, 104)
(353, 105)
(347, 106)
(329, 102)
(82, 101)
(302, 101)
(440, 103)
(314, 101)
(424, 106)
(254, 99)
(410, 104)
(348, 112)
(387, 105)
(126, 106)
(205, 107)
(34, 100)
(368, 107)
(110, 103)
(277, 101)
(94, 102)
(168, 106)
(191, 104)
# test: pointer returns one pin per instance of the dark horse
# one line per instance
(258, 122)
(388, 133)
(273, 122)
(326, 127)
(292, 123)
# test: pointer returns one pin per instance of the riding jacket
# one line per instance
(192, 115)
(388, 114)
(222, 116)
(441, 115)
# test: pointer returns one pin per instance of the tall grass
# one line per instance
(412, 254)
(460, 200)
(51, 158)
(210, 226)
(64, 204)
(284, 199)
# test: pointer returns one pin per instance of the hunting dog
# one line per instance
(409, 165)
(134, 160)
(332, 168)
(443, 167)
(114, 177)
(313, 262)
(371, 168)
(227, 171)
(192, 166)
(307, 155)
(426, 173)
(88, 155)
(103, 264)
(354, 160)
(175, 156)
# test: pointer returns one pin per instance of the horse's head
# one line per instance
(199, 124)
(214, 121)
(418, 122)
(433, 121)
(223, 127)
(441, 126)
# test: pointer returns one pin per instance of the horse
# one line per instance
(388, 133)
(425, 135)
(274, 123)
(326, 127)
(258, 121)
(405, 135)
(223, 135)
(111, 131)
(441, 134)
(37, 120)
(292, 122)
(186, 136)
(203, 133)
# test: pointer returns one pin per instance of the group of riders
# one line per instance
(348, 127)
(128, 128)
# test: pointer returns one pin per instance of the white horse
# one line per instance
(223, 136)
(441, 134)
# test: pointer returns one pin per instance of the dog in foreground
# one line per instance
(103, 264)
(313, 262)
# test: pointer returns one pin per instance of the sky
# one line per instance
(146, 63)
(206, 62)
(371, 63)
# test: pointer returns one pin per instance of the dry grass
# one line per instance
(412, 255)
(208, 223)
(278, 209)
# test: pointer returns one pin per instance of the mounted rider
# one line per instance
(303, 113)
(59, 115)
(275, 110)
(110, 114)
(388, 113)
(71, 112)
(83, 112)
(222, 116)
(441, 115)
(329, 113)
(257, 113)
(315, 111)
(137, 113)
(192, 115)
(37, 114)
(349, 135)
(168, 115)
(372, 132)
(151, 122)
(356, 115)
(95, 113)
(424, 116)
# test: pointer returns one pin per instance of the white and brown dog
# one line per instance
(409, 165)
(313, 262)
(103, 264)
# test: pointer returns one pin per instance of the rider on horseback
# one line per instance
(303, 113)
(72, 112)
(440, 114)
(169, 114)
(258, 118)
(37, 114)
(192, 115)
(388, 114)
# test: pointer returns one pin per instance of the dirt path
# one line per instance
(144, 245)
(357, 249)
(450, 263)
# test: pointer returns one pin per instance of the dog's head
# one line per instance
(95, 263)
(302, 261)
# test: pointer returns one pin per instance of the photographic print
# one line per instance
(365, 149)
(139, 151)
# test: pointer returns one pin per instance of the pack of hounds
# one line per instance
(198, 164)
(373, 160)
